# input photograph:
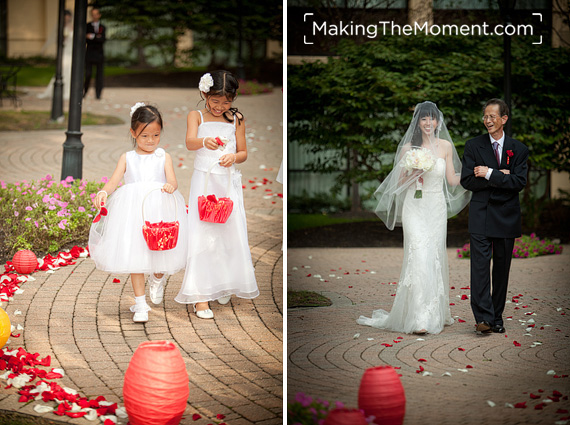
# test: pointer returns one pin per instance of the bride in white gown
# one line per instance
(66, 59)
(419, 194)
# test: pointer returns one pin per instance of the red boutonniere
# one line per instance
(509, 154)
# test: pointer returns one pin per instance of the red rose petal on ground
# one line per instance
(309, 275)
(466, 287)
(115, 280)
(400, 337)
(461, 349)
(464, 297)
(220, 416)
(420, 370)
(196, 416)
(386, 345)
(561, 411)
(516, 344)
(451, 303)
(350, 286)
(556, 393)
(521, 405)
(422, 360)
(534, 396)
(539, 406)
(540, 391)
(461, 320)
(468, 367)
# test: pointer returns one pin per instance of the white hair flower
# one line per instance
(135, 107)
(206, 82)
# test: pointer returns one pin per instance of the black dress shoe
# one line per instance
(499, 329)
(483, 327)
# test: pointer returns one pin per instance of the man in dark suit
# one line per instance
(94, 53)
(495, 170)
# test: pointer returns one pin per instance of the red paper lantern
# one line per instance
(381, 394)
(345, 417)
(25, 261)
(156, 389)
(5, 327)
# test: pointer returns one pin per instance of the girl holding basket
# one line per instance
(219, 260)
(116, 241)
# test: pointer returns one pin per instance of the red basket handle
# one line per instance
(175, 204)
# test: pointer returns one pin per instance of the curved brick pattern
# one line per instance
(326, 360)
(80, 317)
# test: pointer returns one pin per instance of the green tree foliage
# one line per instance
(159, 23)
(361, 100)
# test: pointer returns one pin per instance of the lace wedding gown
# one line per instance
(422, 297)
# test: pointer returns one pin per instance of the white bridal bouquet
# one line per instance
(418, 159)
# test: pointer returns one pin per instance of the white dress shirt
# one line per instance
(501, 141)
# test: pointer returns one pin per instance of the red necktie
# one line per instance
(496, 149)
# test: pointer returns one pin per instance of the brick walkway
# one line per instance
(81, 318)
(327, 360)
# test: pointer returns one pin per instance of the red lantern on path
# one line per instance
(345, 417)
(5, 327)
(25, 261)
(156, 389)
(381, 394)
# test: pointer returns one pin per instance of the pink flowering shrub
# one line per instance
(46, 215)
(306, 410)
(525, 247)
(250, 87)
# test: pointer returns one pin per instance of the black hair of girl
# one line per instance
(423, 110)
(142, 117)
(225, 84)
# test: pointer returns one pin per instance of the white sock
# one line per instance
(140, 300)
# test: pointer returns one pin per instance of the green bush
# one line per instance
(46, 215)
(360, 101)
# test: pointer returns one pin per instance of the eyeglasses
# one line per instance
(487, 117)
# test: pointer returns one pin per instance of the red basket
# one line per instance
(163, 235)
(213, 209)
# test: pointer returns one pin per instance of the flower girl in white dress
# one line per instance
(116, 241)
(219, 260)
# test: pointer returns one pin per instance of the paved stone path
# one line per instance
(326, 358)
(81, 318)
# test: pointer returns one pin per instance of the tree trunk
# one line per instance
(141, 59)
(355, 194)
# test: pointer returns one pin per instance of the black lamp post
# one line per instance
(57, 98)
(72, 163)
(506, 7)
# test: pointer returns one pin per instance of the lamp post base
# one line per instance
(72, 162)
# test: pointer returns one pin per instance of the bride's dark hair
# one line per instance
(425, 109)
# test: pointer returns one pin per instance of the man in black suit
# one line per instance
(495, 170)
(94, 53)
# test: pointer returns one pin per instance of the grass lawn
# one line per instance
(304, 221)
(41, 75)
(306, 299)
(40, 120)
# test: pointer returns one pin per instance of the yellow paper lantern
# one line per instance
(5, 327)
